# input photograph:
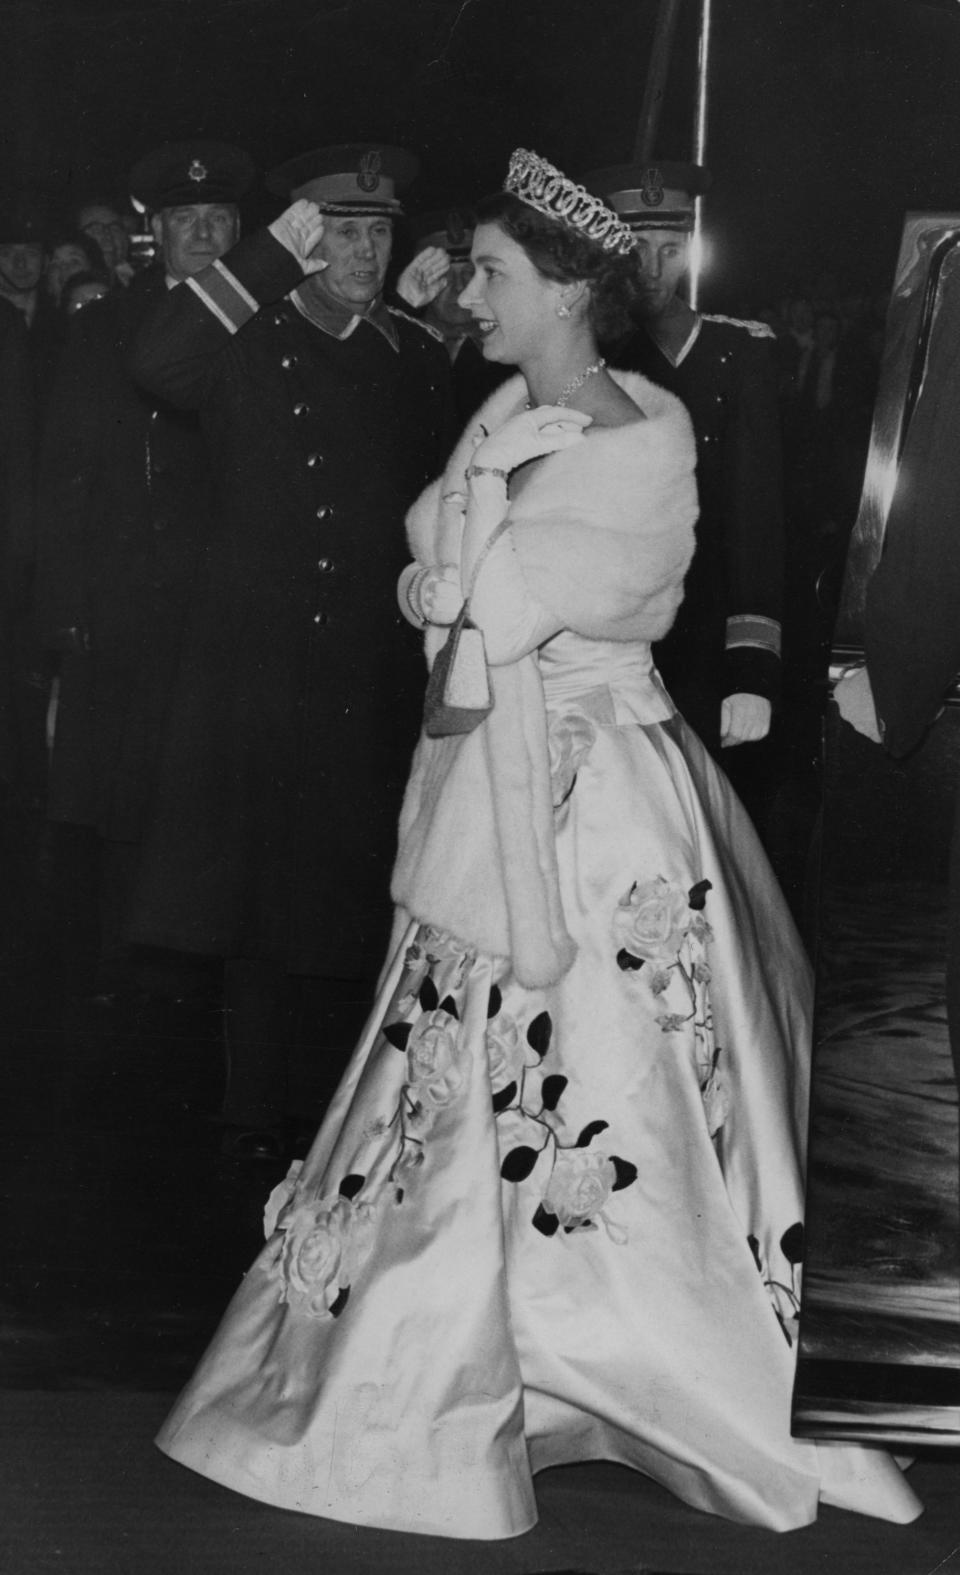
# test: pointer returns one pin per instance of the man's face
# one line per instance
(663, 257)
(357, 254)
(21, 265)
(104, 225)
(194, 235)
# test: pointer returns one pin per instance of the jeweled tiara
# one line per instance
(547, 189)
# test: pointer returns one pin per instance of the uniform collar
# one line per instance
(339, 322)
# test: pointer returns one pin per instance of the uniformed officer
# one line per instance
(721, 660)
(432, 284)
(297, 708)
(124, 512)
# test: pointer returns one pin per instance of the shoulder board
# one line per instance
(756, 330)
(433, 332)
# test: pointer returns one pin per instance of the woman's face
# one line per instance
(63, 263)
(513, 305)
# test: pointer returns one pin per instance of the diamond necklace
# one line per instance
(579, 380)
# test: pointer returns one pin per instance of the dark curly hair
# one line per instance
(561, 253)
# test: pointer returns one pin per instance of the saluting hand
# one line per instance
(424, 277)
(300, 230)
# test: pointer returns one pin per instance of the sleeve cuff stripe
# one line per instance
(220, 295)
(758, 633)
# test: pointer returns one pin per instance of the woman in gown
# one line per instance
(554, 1211)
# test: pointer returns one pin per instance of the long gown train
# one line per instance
(557, 1225)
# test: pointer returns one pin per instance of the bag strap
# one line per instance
(482, 555)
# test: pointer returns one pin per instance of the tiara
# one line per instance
(540, 185)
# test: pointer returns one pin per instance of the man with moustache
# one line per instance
(296, 713)
(124, 511)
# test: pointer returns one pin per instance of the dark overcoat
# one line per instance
(726, 636)
(123, 513)
(298, 703)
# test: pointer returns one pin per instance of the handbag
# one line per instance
(459, 696)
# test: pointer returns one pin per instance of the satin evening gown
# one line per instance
(556, 1225)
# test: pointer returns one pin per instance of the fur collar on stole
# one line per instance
(477, 855)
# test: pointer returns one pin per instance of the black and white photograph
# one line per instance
(480, 787)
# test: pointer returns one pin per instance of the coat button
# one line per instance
(325, 565)
(313, 460)
(301, 408)
(288, 361)
(160, 523)
(325, 512)
(320, 619)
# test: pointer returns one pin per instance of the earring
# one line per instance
(563, 311)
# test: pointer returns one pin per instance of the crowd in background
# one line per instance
(828, 348)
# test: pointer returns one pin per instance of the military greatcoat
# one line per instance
(124, 510)
(298, 702)
(726, 639)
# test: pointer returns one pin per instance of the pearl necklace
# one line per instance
(577, 382)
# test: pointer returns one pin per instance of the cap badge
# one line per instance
(651, 188)
(368, 175)
(197, 171)
(456, 228)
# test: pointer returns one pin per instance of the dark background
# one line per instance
(829, 118)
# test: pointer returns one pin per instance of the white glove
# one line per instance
(854, 698)
(744, 719)
(530, 434)
(440, 595)
(430, 595)
(424, 278)
(300, 230)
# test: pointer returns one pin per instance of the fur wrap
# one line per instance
(598, 542)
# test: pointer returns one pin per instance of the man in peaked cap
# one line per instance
(191, 191)
(721, 660)
(123, 517)
(300, 690)
(431, 285)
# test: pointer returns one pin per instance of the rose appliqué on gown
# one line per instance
(570, 738)
(322, 1242)
(662, 929)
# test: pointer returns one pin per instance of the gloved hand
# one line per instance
(530, 434)
(744, 719)
(424, 277)
(855, 702)
(430, 595)
(440, 595)
(300, 230)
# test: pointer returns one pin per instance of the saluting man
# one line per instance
(124, 513)
(325, 413)
(721, 659)
(432, 284)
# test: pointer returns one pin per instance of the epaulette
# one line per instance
(433, 332)
(757, 330)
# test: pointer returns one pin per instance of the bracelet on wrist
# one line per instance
(486, 470)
